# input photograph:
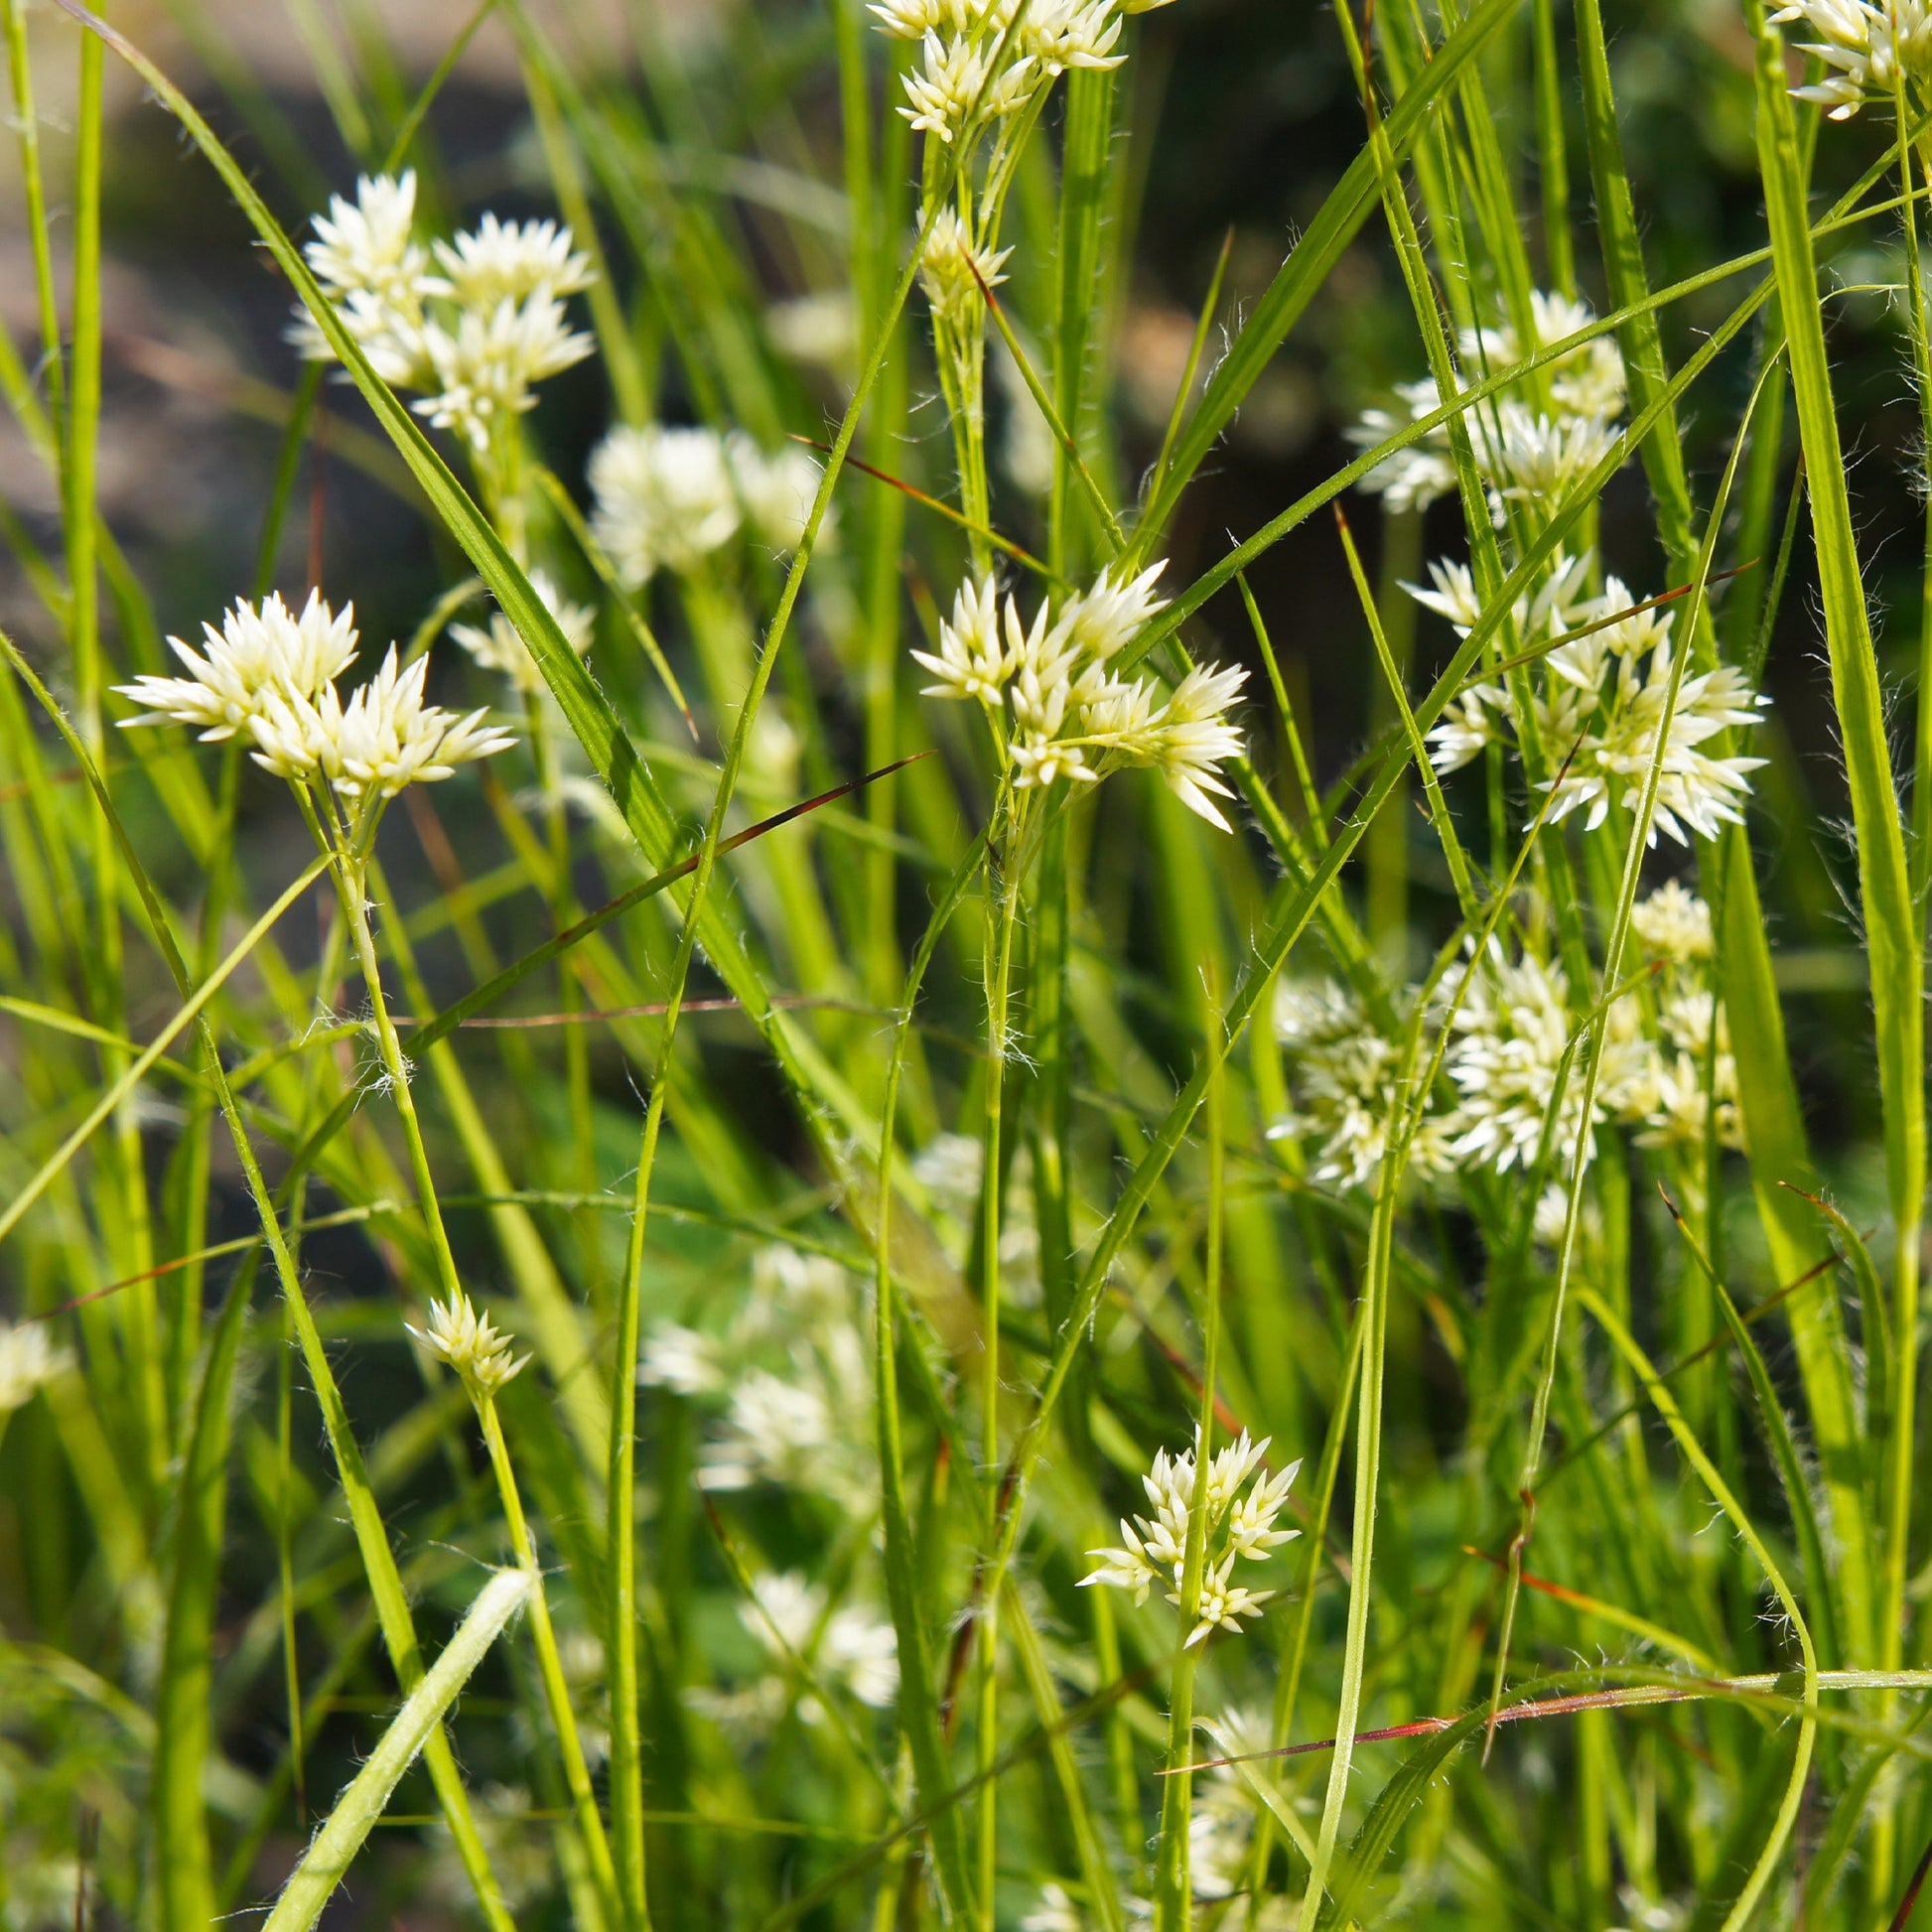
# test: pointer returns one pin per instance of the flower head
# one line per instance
(1415, 475)
(260, 652)
(483, 370)
(1236, 1526)
(1062, 33)
(664, 499)
(1866, 46)
(497, 647)
(464, 1339)
(778, 492)
(367, 245)
(953, 273)
(957, 87)
(972, 661)
(1673, 925)
(509, 261)
(383, 738)
(28, 1362)
(1195, 737)
(1108, 617)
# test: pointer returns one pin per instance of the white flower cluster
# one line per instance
(954, 273)
(790, 1380)
(1347, 1087)
(271, 674)
(978, 66)
(851, 1647)
(1061, 712)
(1512, 1022)
(482, 1356)
(1597, 704)
(496, 646)
(474, 324)
(1238, 1525)
(28, 1362)
(1867, 47)
(667, 498)
(1532, 440)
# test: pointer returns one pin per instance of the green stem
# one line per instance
(550, 1663)
(998, 1010)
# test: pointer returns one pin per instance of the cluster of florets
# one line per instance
(1348, 1087)
(1871, 48)
(1057, 709)
(474, 324)
(955, 273)
(1596, 704)
(1512, 1091)
(28, 1362)
(1532, 440)
(850, 1649)
(786, 1380)
(1238, 1525)
(977, 65)
(483, 1358)
(270, 675)
(669, 498)
(498, 645)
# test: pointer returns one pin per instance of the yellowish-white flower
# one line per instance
(850, 1647)
(1411, 478)
(497, 647)
(1237, 1526)
(1532, 457)
(1695, 792)
(1587, 380)
(481, 1356)
(681, 1359)
(369, 243)
(778, 492)
(389, 738)
(259, 651)
(820, 327)
(1867, 45)
(484, 370)
(665, 500)
(972, 661)
(1195, 738)
(1674, 924)
(1468, 726)
(28, 1362)
(1108, 617)
(1513, 1062)
(1062, 33)
(509, 261)
(913, 20)
(953, 273)
(1559, 602)
(383, 738)
(957, 87)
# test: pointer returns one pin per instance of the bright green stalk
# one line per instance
(556, 1687)
(1172, 1879)
(1893, 920)
(33, 192)
(626, 1748)
(326, 1863)
(1551, 159)
(918, 1708)
(1003, 878)
(184, 1869)
(1086, 153)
